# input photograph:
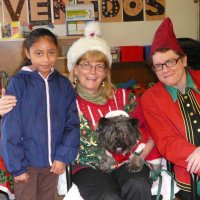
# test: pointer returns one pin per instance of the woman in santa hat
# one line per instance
(89, 62)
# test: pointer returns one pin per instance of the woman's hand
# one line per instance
(147, 149)
(23, 177)
(193, 160)
(58, 167)
(7, 102)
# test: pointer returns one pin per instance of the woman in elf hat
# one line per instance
(89, 62)
(172, 107)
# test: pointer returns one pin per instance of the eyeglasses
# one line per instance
(168, 63)
(88, 66)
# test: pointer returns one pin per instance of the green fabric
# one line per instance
(190, 84)
(156, 174)
(198, 188)
(97, 98)
(6, 179)
(89, 146)
(131, 106)
(159, 188)
(4, 79)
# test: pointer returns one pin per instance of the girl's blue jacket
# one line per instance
(44, 125)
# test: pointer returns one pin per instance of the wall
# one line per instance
(183, 13)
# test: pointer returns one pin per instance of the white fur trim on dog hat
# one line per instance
(90, 42)
(116, 113)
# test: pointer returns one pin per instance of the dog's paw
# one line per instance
(106, 163)
(104, 167)
(135, 164)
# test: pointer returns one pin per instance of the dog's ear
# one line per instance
(134, 124)
(102, 124)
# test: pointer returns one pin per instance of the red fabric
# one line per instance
(165, 38)
(120, 158)
(98, 110)
(145, 132)
(154, 154)
(103, 109)
(132, 54)
(7, 182)
(167, 126)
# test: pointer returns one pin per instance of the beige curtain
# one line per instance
(198, 18)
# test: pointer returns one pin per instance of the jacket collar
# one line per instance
(190, 85)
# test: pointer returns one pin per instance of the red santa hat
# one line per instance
(165, 38)
(91, 42)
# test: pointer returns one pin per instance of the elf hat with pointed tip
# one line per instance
(91, 42)
(165, 38)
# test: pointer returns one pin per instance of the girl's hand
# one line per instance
(7, 102)
(193, 161)
(58, 167)
(23, 177)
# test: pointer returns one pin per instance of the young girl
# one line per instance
(41, 133)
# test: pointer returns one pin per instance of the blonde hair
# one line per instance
(108, 89)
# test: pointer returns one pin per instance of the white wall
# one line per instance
(183, 14)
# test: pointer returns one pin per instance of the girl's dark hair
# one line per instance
(34, 36)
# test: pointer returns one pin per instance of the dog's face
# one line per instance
(118, 134)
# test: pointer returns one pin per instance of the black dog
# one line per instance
(117, 136)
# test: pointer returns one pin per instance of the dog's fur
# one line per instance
(118, 135)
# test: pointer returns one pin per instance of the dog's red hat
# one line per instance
(165, 38)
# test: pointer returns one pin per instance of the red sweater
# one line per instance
(90, 114)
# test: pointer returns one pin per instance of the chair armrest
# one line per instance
(170, 167)
(69, 176)
(193, 180)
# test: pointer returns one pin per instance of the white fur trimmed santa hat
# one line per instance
(91, 41)
(116, 113)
